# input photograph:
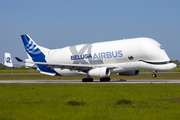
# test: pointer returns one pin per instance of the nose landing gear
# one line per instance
(154, 74)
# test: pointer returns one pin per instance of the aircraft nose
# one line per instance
(173, 65)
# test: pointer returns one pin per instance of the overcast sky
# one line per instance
(59, 23)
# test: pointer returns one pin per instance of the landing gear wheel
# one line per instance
(87, 80)
(154, 75)
(90, 79)
(105, 79)
(101, 80)
(84, 80)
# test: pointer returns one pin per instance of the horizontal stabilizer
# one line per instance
(19, 60)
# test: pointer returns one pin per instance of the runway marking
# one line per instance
(95, 81)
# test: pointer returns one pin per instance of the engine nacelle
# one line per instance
(130, 73)
(99, 72)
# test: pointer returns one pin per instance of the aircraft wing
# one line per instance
(79, 67)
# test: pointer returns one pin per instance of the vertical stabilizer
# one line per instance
(31, 47)
(8, 60)
(36, 53)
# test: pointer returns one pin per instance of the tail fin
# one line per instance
(8, 60)
(37, 53)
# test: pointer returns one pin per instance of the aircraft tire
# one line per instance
(108, 79)
(154, 75)
(87, 80)
(83, 80)
(90, 79)
(105, 79)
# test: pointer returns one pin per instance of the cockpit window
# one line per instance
(157, 63)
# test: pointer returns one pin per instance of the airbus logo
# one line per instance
(79, 56)
(105, 55)
(97, 56)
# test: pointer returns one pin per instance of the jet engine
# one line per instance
(129, 73)
(99, 72)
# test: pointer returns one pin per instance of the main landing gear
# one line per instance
(154, 74)
(103, 79)
(87, 80)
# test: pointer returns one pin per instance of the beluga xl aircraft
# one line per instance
(125, 57)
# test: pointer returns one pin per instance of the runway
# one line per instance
(95, 81)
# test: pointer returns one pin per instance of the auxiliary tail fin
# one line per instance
(37, 53)
(8, 60)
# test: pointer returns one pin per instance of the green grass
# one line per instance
(89, 101)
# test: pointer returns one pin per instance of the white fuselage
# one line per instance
(123, 55)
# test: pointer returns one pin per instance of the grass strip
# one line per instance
(89, 101)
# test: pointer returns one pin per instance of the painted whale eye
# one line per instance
(130, 57)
